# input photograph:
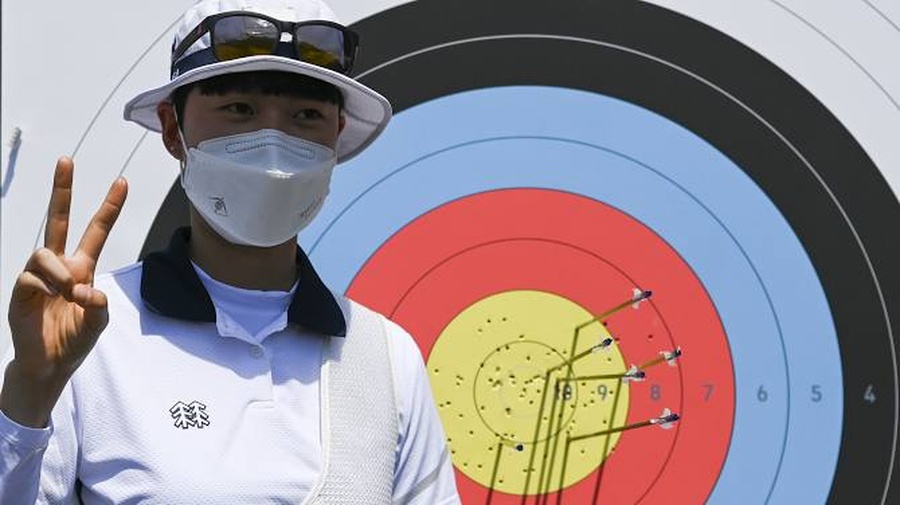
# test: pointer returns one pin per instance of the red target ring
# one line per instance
(594, 255)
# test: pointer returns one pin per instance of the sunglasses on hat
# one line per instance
(239, 34)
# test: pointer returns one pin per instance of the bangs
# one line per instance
(272, 83)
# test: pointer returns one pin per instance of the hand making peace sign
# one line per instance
(55, 314)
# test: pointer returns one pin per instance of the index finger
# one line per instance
(101, 224)
(57, 228)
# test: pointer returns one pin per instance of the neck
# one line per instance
(261, 268)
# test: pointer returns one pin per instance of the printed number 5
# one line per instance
(816, 393)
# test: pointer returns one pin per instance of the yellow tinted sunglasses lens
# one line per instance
(240, 36)
(321, 45)
(312, 54)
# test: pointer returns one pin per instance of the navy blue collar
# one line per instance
(170, 286)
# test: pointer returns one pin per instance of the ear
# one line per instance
(171, 136)
(342, 122)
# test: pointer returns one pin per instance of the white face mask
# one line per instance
(259, 188)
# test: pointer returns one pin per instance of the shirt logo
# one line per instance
(190, 415)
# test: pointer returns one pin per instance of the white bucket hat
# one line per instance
(367, 113)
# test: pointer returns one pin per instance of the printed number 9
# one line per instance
(602, 391)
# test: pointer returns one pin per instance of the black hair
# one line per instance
(268, 82)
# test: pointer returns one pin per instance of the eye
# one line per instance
(239, 108)
(309, 114)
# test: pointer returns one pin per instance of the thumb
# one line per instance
(94, 303)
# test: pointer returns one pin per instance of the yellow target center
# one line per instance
(520, 378)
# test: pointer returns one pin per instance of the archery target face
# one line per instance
(542, 166)
(571, 160)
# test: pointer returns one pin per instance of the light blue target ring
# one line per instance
(786, 436)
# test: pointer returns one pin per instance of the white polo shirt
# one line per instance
(177, 405)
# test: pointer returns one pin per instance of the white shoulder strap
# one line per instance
(359, 414)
